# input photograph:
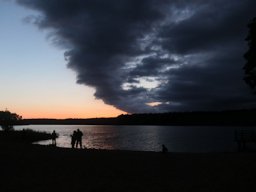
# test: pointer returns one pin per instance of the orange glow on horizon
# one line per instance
(105, 112)
(97, 109)
(97, 112)
(57, 102)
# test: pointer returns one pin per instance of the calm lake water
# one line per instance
(146, 138)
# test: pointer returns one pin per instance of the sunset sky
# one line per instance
(35, 81)
(98, 58)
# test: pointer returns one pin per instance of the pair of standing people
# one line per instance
(76, 139)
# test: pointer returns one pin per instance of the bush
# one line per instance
(8, 119)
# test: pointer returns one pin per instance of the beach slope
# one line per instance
(43, 168)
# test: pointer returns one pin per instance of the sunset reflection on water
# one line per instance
(145, 138)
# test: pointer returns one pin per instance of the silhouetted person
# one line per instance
(164, 149)
(73, 139)
(79, 136)
(54, 137)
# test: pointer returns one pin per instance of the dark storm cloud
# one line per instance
(151, 66)
(191, 51)
(214, 25)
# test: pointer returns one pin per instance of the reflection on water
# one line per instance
(145, 138)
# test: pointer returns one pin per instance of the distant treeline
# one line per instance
(235, 117)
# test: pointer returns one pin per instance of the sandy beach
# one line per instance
(26, 167)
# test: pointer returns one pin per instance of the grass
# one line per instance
(24, 136)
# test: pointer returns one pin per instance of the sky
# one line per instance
(34, 79)
(93, 58)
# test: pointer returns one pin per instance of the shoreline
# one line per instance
(27, 167)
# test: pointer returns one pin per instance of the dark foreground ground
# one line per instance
(26, 168)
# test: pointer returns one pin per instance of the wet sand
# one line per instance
(26, 167)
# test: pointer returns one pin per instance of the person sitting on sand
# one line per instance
(73, 139)
(54, 137)
(164, 149)
(79, 136)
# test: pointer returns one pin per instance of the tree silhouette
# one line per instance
(250, 56)
(8, 119)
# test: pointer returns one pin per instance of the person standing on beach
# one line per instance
(54, 137)
(164, 149)
(73, 139)
(79, 136)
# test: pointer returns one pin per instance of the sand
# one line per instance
(34, 168)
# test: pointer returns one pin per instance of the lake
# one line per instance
(146, 138)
